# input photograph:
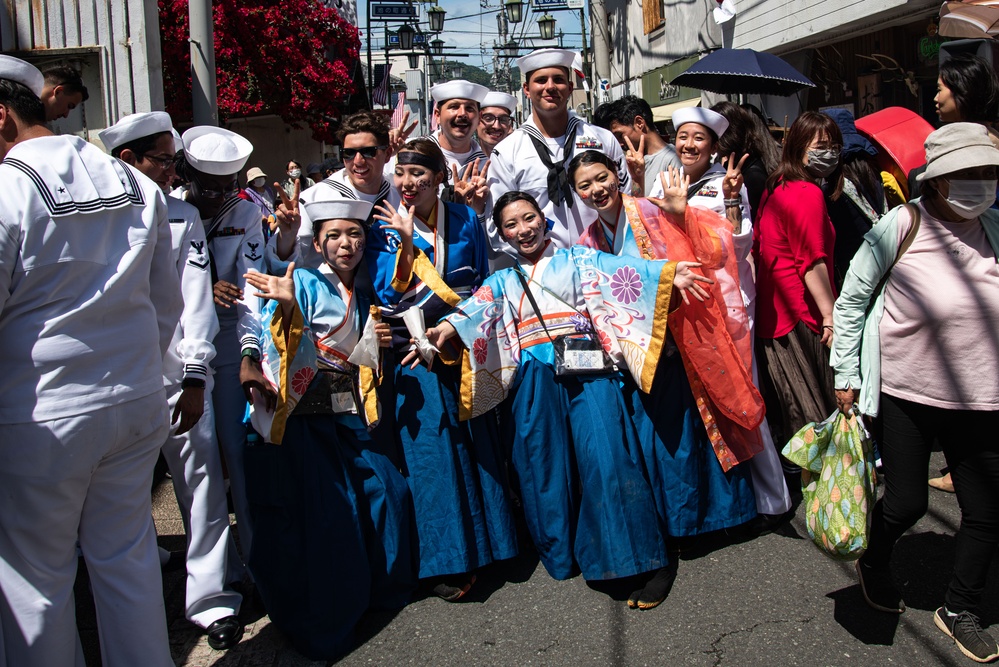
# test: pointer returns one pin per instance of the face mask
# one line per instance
(970, 199)
(822, 163)
(258, 182)
(295, 173)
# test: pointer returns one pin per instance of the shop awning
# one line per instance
(666, 111)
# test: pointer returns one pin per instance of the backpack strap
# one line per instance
(906, 244)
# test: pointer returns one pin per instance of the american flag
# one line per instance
(400, 109)
(380, 94)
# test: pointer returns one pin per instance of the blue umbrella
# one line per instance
(743, 72)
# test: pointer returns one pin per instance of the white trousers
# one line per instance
(85, 478)
(769, 485)
(229, 402)
(196, 468)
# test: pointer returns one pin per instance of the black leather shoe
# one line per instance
(224, 633)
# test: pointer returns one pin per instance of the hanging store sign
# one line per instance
(555, 5)
(388, 11)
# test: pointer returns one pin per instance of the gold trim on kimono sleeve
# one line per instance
(287, 349)
(659, 323)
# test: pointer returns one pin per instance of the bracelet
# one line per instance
(733, 202)
(196, 383)
(827, 326)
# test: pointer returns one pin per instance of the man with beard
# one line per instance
(496, 120)
(533, 158)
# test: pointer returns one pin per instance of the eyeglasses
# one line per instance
(161, 161)
(367, 152)
(489, 119)
(230, 190)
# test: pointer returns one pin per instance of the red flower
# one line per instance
(292, 58)
(302, 378)
(484, 293)
(480, 350)
(605, 341)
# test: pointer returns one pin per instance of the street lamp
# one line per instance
(510, 49)
(546, 24)
(514, 10)
(414, 60)
(437, 46)
(436, 16)
(405, 33)
(457, 71)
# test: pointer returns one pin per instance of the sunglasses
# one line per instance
(367, 152)
(231, 190)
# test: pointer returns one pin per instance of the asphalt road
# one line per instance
(737, 602)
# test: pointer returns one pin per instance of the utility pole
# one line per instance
(202, 38)
(601, 45)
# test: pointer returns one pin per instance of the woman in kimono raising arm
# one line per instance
(698, 420)
(333, 514)
(423, 259)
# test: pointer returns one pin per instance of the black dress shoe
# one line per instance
(224, 633)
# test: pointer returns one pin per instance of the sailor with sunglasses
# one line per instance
(364, 138)
(213, 157)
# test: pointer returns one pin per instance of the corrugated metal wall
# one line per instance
(120, 38)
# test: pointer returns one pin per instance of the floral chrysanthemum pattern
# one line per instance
(626, 285)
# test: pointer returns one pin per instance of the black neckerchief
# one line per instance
(559, 190)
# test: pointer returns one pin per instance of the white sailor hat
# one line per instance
(215, 151)
(178, 143)
(135, 126)
(535, 60)
(338, 209)
(504, 100)
(706, 117)
(458, 89)
(15, 69)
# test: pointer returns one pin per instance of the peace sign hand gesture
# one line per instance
(399, 135)
(675, 185)
(287, 219)
(732, 183)
(635, 158)
(471, 186)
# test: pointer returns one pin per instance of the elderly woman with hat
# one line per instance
(917, 335)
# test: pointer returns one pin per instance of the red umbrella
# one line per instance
(970, 19)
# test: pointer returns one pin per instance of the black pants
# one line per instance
(970, 443)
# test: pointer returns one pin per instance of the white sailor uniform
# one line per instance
(337, 186)
(236, 243)
(516, 165)
(193, 457)
(84, 241)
